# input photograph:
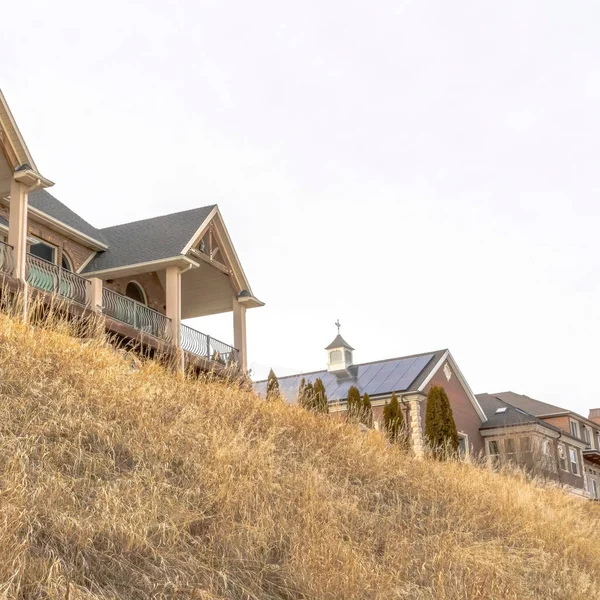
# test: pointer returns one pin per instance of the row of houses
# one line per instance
(550, 442)
(147, 277)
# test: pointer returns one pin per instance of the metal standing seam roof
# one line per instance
(376, 378)
(149, 239)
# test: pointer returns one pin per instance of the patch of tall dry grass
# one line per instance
(121, 483)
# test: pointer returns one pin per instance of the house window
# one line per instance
(598, 440)
(509, 446)
(43, 251)
(493, 448)
(525, 444)
(562, 457)
(545, 447)
(463, 444)
(135, 292)
(574, 428)
(573, 460)
(586, 434)
(65, 263)
(594, 489)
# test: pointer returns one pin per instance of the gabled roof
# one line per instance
(534, 407)
(148, 240)
(511, 415)
(379, 378)
(55, 209)
(339, 342)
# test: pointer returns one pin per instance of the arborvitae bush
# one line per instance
(440, 429)
(366, 412)
(353, 404)
(307, 400)
(320, 397)
(393, 420)
(273, 387)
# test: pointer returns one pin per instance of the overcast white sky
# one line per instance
(428, 172)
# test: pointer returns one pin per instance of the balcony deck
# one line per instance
(129, 320)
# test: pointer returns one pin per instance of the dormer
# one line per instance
(339, 355)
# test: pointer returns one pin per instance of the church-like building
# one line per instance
(409, 377)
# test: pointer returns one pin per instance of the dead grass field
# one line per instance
(140, 484)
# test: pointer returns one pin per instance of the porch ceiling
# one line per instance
(204, 291)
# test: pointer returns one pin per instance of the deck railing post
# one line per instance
(95, 298)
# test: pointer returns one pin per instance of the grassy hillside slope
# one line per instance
(138, 484)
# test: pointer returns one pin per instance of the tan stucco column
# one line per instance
(173, 294)
(17, 227)
(96, 294)
(417, 436)
(239, 332)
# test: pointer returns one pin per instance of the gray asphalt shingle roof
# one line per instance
(148, 240)
(511, 415)
(48, 204)
(534, 407)
(379, 378)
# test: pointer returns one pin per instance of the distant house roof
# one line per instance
(510, 415)
(148, 240)
(534, 407)
(338, 343)
(49, 205)
(379, 378)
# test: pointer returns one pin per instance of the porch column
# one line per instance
(239, 332)
(96, 294)
(17, 227)
(417, 437)
(173, 293)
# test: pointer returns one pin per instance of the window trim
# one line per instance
(576, 433)
(564, 458)
(140, 287)
(45, 243)
(465, 437)
(576, 463)
(65, 256)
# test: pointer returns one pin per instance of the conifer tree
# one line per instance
(366, 411)
(320, 397)
(353, 404)
(393, 419)
(307, 400)
(440, 429)
(273, 387)
(301, 392)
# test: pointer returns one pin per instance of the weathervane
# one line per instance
(338, 325)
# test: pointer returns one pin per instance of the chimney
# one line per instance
(595, 415)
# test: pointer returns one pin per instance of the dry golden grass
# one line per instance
(140, 484)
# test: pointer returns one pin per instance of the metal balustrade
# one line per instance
(137, 315)
(204, 346)
(7, 262)
(51, 278)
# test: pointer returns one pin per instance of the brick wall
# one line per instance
(76, 252)
(465, 416)
(151, 285)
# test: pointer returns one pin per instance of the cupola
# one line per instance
(339, 353)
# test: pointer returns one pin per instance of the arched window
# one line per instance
(348, 356)
(335, 356)
(135, 292)
(65, 263)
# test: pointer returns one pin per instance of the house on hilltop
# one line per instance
(409, 377)
(144, 277)
(544, 438)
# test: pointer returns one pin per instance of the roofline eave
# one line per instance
(143, 267)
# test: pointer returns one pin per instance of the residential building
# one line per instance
(409, 377)
(145, 278)
(567, 440)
